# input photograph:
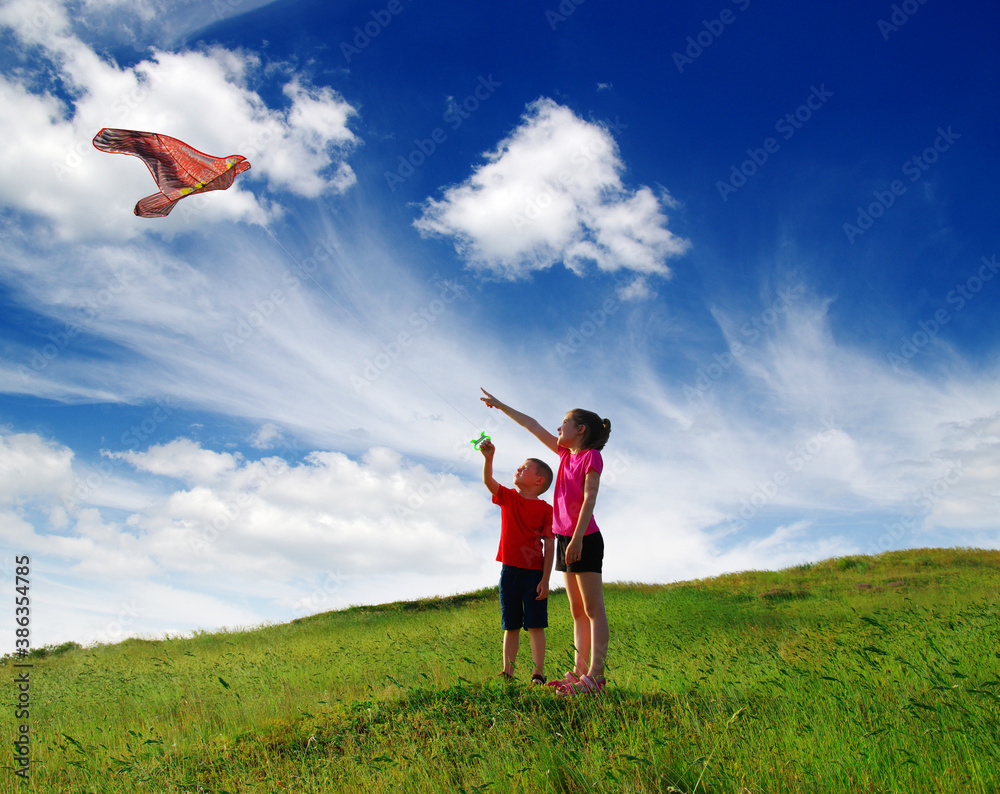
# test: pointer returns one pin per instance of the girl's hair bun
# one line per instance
(598, 429)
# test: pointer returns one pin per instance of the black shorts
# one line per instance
(591, 556)
(519, 604)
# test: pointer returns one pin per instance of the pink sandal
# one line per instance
(584, 686)
(569, 678)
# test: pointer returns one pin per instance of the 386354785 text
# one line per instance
(22, 681)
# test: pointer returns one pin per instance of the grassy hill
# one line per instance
(861, 674)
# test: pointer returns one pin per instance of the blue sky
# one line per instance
(757, 238)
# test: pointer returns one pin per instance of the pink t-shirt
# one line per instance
(568, 496)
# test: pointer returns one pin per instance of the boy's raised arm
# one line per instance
(525, 421)
(488, 449)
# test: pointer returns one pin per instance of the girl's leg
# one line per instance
(591, 589)
(581, 623)
(537, 650)
(511, 640)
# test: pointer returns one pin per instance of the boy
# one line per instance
(526, 552)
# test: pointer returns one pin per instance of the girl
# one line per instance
(580, 547)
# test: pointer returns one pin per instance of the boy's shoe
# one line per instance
(584, 686)
(537, 678)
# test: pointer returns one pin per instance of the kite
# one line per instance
(178, 169)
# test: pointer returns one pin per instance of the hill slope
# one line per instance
(857, 674)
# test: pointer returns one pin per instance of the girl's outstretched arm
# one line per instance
(525, 421)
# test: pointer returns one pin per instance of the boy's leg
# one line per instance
(511, 615)
(591, 589)
(581, 624)
(536, 619)
(511, 641)
(537, 637)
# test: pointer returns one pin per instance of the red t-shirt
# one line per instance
(523, 524)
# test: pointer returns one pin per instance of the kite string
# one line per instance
(357, 321)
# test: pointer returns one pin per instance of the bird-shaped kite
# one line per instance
(178, 169)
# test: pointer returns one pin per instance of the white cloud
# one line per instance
(242, 525)
(182, 459)
(31, 467)
(50, 169)
(266, 436)
(550, 192)
(967, 494)
(317, 125)
(636, 289)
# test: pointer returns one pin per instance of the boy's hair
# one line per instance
(545, 470)
(598, 429)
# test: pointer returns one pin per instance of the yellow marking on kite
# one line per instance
(185, 191)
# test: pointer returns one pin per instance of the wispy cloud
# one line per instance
(795, 449)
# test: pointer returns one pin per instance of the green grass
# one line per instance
(863, 674)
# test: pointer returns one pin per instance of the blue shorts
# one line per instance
(519, 606)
